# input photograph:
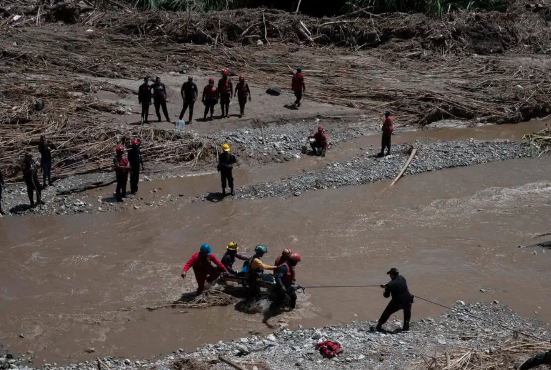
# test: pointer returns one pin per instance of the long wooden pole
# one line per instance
(405, 166)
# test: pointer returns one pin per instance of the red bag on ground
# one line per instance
(329, 349)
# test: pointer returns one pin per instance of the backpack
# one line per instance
(329, 349)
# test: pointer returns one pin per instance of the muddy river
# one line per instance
(74, 282)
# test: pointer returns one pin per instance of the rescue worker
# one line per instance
(401, 299)
(189, 94)
(203, 268)
(225, 89)
(226, 160)
(45, 149)
(228, 259)
(144, 98)
(255, 270)
(387, 128)
(159, 98)
(537, 360)
(135, 160)
(2, 187)
(283, 257)
(242, 91)
(319, 144)
(121, 166)
(30, 174)
(298, 86)
(285, 277)
(210, 98)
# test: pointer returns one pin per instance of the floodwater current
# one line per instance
(70, 283)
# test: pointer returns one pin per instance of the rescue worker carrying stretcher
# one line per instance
(225, 89)
(203, 268)
(210, 98)
(254, 268)
(318, 142)
(281, 259)
(228, 259)
(285, 278)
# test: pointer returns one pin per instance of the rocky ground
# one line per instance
(273, 144)
(366, 168)
(483, 327)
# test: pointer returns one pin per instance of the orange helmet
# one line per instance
(120, 148)
(225, 72)
(211, 80)
(286, 252)
(134, 142)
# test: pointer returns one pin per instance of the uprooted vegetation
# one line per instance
(464, 66)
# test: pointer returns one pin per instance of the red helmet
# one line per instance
(225, 72)
(242, 77)
(211, 79)
(134, 142)
(320, 128)
(295, 257)
(286, 252)
(119, 148)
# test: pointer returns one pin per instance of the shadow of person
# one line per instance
(290, 106)
(215, 197)
(20, 208)
(186, 297)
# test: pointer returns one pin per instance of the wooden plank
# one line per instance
(405, 166)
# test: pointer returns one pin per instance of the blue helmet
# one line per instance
(387, 113)
(299, 69)
(205, 248)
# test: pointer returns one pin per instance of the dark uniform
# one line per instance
(243, 92)
(135, 159)
(540, 359)
(144, 97)
(401, 300)
(228, 259)
(226, 161)
(30, 174)
(285, 276)
(225, 89)
(159, 99)
(189, 92)
(45, 150)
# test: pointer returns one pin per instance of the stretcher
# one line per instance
(265, 281)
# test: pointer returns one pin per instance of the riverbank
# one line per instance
(481, 329)
(357, 170)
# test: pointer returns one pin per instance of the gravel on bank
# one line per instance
(480, 326)
(367, 168)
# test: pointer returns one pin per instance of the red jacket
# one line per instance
(388, 126)
(210, 92)
(321, 138)
(298, 82)
(203, 264)
(242, 89)
(225, 86)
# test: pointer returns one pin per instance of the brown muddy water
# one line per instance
(74, 282)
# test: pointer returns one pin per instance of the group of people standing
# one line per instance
(208, 268)
(224, 92)
(211, 95)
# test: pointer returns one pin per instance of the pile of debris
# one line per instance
(540, 141)
(508, 355)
